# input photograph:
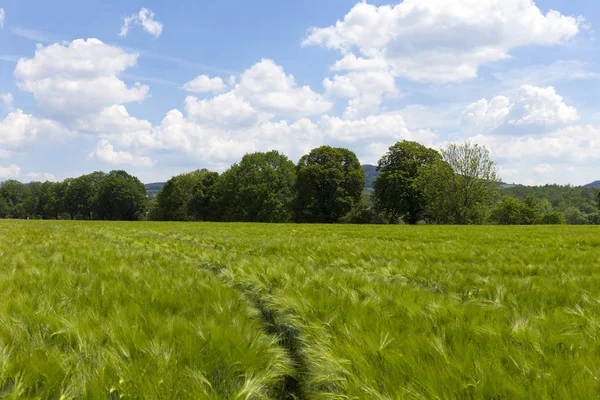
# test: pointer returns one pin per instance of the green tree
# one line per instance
(82, 193)
(330, 182)
(32, 205)
(51, 200)
(183, 195)
(396, 193)
(511, 211)
(554, 218)
(203, 205)
(15, 196)
(574, 216)
(121, 197)
(460, 188)
(258, 189)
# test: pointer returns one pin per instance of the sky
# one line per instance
(160, 88)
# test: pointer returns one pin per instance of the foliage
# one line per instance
(186, 197)
(396, 191)
(560, 197)
(574, 216)
(460, 188)
(81, 195)
(362, 214)
(329, 184)
(121, 197)
(258, 189)
(13, 198)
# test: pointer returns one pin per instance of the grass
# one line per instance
(249, 311)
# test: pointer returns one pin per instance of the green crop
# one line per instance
(250, 311)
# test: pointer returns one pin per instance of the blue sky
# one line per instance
(158, 88)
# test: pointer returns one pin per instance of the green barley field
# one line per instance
(248, 311)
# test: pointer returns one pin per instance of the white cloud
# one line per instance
(544, 169)
(78, 78)
(18, 129)
(483, 115)
(441, 40)
(8, 100)
(227, 109)
(41, 177)
(266, 86)
(205, 84)
(550, 158)
(364, 88)
(541, 107)
(145, 19)
(1, 18)
(10, 172)
(387, 127)
(106, 153)
(350, 62)
(217, 137)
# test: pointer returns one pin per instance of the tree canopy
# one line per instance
(121, 197)
(459, 188)
(330, 183)
(397, 193)
(260, 188)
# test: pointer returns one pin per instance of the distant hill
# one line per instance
(153, 188)
(593, 185)
(370, 175)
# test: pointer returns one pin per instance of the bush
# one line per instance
(553, 218)
(575, 217)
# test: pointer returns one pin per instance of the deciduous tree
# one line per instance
(396, 191)
(258, 189)
(460, 188)
(330, 182)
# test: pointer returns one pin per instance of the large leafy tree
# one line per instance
(329, 186)
(396, 192)
(121, 197)
(13, 197)
(460, 188)
(258, 189)
(203, 204)
(81, 195)
(51, 201)
(183, 196)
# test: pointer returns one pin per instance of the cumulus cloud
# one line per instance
(535, 106)
(41, 177)
(106, 153)
(364, 88)
(440, 40)
(205, 84)
(228, 109)
(18, 129)
(552, 156)
(1, 18)
(8, 100)
(10, 172)
(145, 19)
(267, 86)
(79, 78)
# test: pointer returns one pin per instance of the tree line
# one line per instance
(412, 184)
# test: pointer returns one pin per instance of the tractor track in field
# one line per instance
(287, 336)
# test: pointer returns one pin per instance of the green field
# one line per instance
(249, 311)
